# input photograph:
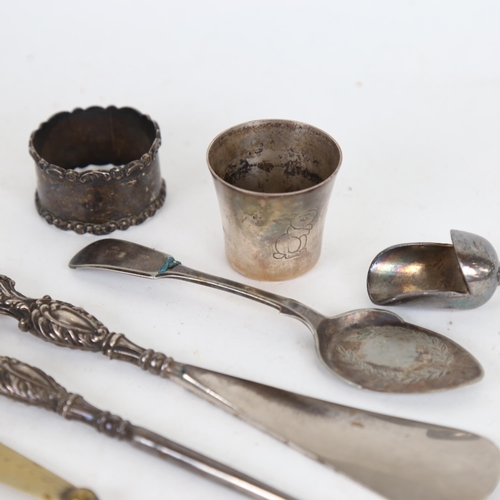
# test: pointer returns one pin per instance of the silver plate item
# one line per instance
(461, 275)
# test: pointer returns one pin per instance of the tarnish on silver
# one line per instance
(24, 383)
(369, 348)
(463, 275)
(395, 457)
(100, 200)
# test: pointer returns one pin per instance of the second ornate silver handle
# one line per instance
(24, 383)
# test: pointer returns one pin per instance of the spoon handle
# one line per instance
(29, 385)
(285, 305)
(138, 260)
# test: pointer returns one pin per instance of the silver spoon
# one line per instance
(370, 348)
(396, 457)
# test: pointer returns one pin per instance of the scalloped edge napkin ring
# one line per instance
(102, 199)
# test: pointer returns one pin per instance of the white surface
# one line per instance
(410, 90)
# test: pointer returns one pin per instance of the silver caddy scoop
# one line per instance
(461, 275)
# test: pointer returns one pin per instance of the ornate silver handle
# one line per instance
(65, 325)
(32, 386)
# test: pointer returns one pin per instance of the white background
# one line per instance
(410, 90)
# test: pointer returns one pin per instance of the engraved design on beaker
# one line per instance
(291, 243)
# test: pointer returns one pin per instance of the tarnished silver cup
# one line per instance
(273, 180)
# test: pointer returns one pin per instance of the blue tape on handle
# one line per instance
(169, 263)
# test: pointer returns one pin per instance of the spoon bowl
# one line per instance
(369, 348)
(377, 350)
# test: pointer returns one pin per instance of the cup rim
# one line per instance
(272, 195)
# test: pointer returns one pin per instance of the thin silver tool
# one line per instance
(27, 384)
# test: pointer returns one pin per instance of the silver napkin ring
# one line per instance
(122, 190)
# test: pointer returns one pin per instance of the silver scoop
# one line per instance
(463, 275)
(369, 348)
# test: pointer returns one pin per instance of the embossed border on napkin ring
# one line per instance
(100, 200)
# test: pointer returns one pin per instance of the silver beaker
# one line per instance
(273, 179)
